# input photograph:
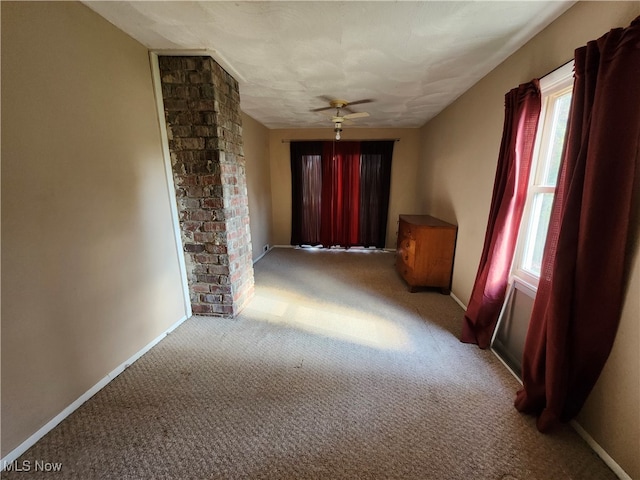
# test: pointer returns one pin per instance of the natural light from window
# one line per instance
(327, 319)
(556, 90)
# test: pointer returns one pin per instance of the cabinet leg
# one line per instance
(412, 289)
(445, 291)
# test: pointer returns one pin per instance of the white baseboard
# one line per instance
(595, 446)
(458, 301)
(29, 442)
(262, 255)
(606, 458)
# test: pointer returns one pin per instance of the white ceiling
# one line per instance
(412, 58)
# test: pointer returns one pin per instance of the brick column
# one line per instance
(204, 126)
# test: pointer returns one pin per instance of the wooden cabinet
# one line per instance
(424, 253)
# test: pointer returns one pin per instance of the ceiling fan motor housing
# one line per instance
(338, 103)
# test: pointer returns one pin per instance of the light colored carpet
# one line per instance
(334, 371)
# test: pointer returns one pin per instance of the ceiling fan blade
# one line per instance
(322, 109)
(340, 104)
(356, 115)
(326, 99)
(364, 100)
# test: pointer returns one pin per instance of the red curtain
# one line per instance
(522, 111)
(340, 194)
(581, 290)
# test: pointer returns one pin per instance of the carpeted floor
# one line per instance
(334, 371)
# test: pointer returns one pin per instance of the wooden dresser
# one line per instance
(424, 253)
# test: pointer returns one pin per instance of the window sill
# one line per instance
(525, 285)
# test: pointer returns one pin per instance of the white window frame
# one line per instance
(552, 86)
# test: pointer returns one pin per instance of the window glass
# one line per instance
(559, 128)
(535, 240)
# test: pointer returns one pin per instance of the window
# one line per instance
(556, 89)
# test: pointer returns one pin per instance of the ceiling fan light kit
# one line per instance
(338, 129)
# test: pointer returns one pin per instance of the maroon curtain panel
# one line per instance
(522, 111)
(375, 183)
(306, 192)
(581, 290)
(340, 194)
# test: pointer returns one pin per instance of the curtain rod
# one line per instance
(557, 68)
(289, 140)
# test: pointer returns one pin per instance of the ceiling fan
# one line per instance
(339, 118)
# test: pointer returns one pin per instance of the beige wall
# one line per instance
(458, 161)
(90, 271)
(255, 137)
(403, 194)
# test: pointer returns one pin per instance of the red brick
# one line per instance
(200, 215)
(190, 226)
(195, 267)
(210, 180)
(185, 180)
(188, 203)
(213, 226)
(192, 247)
(220, 289)
(212, 248)
(200, 287)
(222, 309)
(212, 203)
(206, 258)
(205, 237)
(200, 309)
(195, 191)
(207, 278)
(210, 298)
(219, 269)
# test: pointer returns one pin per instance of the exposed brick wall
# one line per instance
(204, 126)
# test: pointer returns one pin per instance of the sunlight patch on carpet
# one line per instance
(331, 321)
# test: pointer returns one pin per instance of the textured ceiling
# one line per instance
(412, 58)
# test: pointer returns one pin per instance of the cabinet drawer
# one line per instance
(405, 270)
(406, 252)
(405, 231)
